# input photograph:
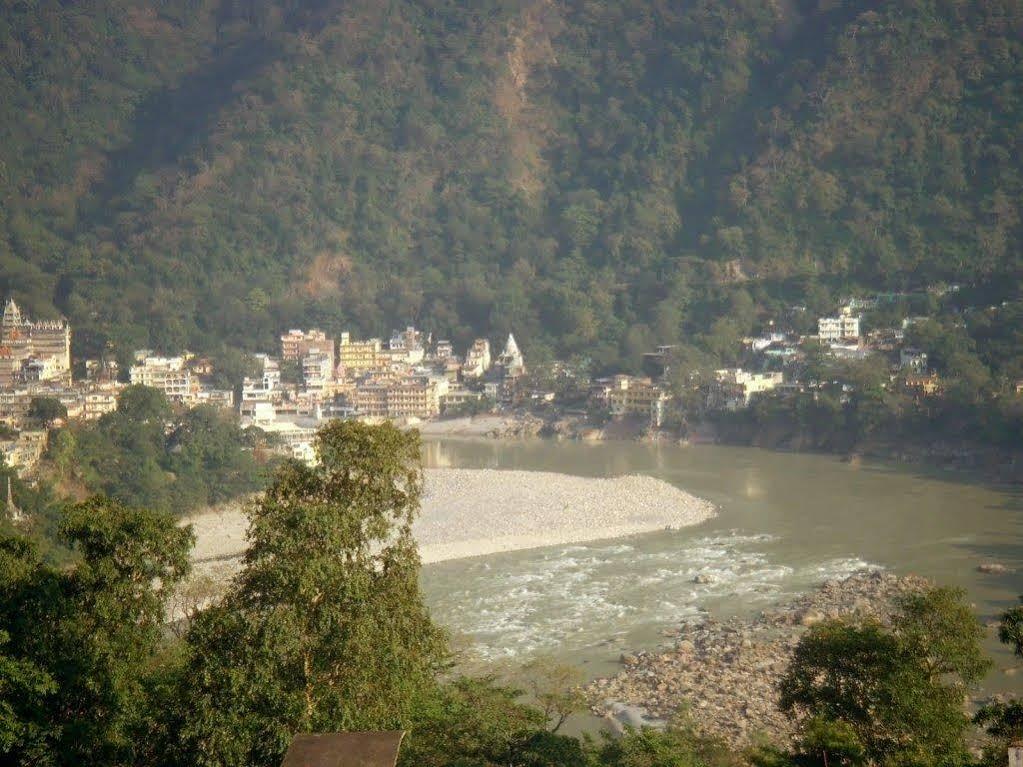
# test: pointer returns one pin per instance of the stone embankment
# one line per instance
(726, 673)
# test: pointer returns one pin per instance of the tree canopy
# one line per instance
(596, 176)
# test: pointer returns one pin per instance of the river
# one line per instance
(786, 523)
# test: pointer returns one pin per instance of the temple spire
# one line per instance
(16, 514)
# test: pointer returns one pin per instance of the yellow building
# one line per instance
(355, 357)
(631, 396)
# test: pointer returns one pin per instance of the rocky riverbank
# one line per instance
(727, 672)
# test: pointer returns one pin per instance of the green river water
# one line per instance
(786, 522)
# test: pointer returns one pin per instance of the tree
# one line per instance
(80, 641)
(1010, 629)
(325, 627)
(676, 746)
(899, 691)
(46, 410)
(555, 689)
(469, 721)
(143, 404)
(62, 450)
(1003, 720)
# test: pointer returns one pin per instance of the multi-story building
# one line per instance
(268, 380)
(734, 387)
(357, 357)
(838, 328)
(632, 396)
(222, 398)
(456, 396)
(99, 400)
(400, 397)
(317, 371)
(48, 341)
(407, 346)
(477, 359)
(168, 374)
(296, 344)
(444, 350)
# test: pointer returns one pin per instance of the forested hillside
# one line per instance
(597, 176)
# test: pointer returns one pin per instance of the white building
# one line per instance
(833, 329)
(168, 374)
(266, 383)
(477, 359)
(511, 362)
(317, 370)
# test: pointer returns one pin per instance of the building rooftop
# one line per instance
(344, 749)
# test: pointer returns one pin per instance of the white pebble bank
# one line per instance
(473, 512)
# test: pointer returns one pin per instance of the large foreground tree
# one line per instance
(325, 627)
(77, 644)
(889, 696)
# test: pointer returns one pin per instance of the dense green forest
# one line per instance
(596, 176)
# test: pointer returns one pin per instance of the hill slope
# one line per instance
(597, 176)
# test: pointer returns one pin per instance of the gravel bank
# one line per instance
(728, 672)
(473, 512)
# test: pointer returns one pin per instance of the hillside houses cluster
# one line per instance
(35, 363)
(776, 359)
(407, 378)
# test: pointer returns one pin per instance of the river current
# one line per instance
(786, 523)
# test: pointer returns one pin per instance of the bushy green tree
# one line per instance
(80, 641)
(899, 692)
(46, 410)
(325, 627)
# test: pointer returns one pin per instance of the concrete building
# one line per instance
(47, 341)
(400, 397)
(358, 357)
(407, 346)
(834, 329)
(625, 395)
(99, 400)
(296, 344)
(317, 371)
(266, 383)
(477, 359)
(444, 350)
(168, 374)
(24, 451)
(734, 388)
(457, 396)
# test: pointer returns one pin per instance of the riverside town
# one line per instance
(413, 378)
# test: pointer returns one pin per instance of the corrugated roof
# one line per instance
(344, 749)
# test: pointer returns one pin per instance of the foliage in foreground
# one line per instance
(325, 629)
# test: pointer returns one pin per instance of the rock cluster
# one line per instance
(726, 673)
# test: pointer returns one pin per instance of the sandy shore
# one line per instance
(470, 512)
